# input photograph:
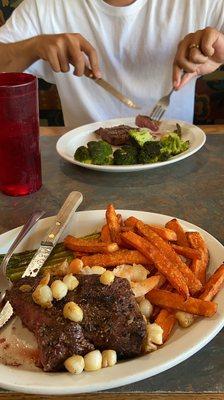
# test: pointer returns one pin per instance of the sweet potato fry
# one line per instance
(79, 254)
(166, 319)
(70, 240)
(199, 266)
(143, 287)
(131, 222)
(113, 222)
(117, 258)
(192, 282)
(187, 252)
(162, 280)
(167, 286)
(166, 299)
(175, 226)
(211, 288)
(155, 313)
(199, 270)
(105, 234)
(164, 266)
(120, 219)
(125, 228)
(213, 285)
(165, 233)
(89, 246)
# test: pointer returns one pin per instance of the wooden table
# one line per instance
(191, 190)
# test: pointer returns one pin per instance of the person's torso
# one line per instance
(135, 45)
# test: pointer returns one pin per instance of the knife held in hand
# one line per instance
(109, 88)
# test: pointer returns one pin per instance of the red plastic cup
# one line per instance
(20, 163)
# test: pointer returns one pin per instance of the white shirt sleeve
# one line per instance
(24, 23)
(215, 17)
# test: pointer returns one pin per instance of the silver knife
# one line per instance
(70, 205)
(109, 88)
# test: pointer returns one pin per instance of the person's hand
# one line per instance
(198, 53)
(67, 48)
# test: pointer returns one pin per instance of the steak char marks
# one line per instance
(112, 320)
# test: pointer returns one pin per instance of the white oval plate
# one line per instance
(68, 143)
(182, 344)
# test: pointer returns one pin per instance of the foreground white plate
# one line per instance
(182, 344)
(68, 143)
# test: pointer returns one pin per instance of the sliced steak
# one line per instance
(112, 320)
(143, 121)
(116, 136)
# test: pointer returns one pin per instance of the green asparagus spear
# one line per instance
(18, 262)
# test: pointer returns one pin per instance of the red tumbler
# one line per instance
(20, 163)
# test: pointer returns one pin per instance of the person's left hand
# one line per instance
(198, 54)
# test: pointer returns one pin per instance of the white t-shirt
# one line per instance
(136, 45)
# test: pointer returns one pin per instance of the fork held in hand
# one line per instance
(161, 107)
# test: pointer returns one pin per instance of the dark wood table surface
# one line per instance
(192, 190)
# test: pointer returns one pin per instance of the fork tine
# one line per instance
(153, 112)
(161, 107)
(160, 114)
(156, 112)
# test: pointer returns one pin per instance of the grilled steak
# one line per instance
(112, 320)
(116, 136)
(143, 121)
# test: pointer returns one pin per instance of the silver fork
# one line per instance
(161, 107)
(5, 283)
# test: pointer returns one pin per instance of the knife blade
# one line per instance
(6, 313)
(70, 205)
(109, 88)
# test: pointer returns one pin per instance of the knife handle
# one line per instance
(72, 202)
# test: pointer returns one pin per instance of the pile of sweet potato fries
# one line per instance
(176, 264)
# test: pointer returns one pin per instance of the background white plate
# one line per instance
(69, 142)
(182, 344)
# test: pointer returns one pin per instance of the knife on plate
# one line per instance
(70, 205)
(109, 88)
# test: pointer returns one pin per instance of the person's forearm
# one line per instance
(17, 57)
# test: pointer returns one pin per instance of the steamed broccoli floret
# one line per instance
(100, 152)
(82, 155)
(126, 155)
(96, 152)
(140, 137)
(164, 157)
(150, 152)
(173, 145)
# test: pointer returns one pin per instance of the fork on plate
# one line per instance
(5, 283)
(161, 107)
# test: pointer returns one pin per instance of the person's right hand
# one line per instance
(67, 48)
(198, 54)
